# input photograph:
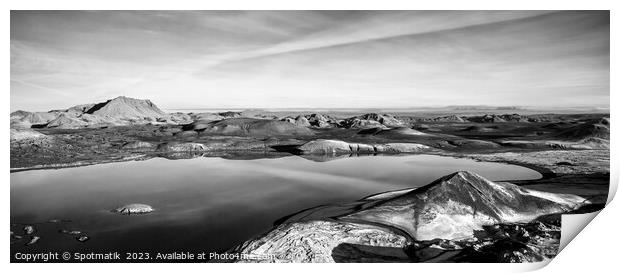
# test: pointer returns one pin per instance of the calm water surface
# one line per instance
(207, 204)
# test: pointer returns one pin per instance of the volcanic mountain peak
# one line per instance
(455, 205)
(118, 111)
(465, 180)
(125, 107)
(472, 187)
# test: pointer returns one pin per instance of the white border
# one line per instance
(595, 248)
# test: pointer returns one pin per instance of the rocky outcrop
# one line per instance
(299, 121)
(314, 241)
(514, 118)
(493, 118)
(594, 143)
(327, 146)
(456, 205)
(181, 147)
(322, 121)
(176, 118)
(32, 118)
(133, 209)
(65, 121)
(450, 118)
(372, 120)
(250, 127)
(473, 144)
(486, 119)
(597, 129)
(593, 135)
(138, 145)
(401, 148)
(536, 241)
(28, 141)
(126, 108)
(230, 114)
(461, 212)
(96, 121)
(25, 134)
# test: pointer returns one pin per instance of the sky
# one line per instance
(310, 59)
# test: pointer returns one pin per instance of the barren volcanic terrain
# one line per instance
(571, 151)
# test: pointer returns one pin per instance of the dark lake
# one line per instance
(208, 203)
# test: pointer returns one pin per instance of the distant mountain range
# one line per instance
(122, 111)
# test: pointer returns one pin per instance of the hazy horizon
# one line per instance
(310, 59)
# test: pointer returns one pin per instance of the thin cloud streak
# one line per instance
(275, 59)
(384, 30)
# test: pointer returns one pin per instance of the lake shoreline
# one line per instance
(568, 168)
